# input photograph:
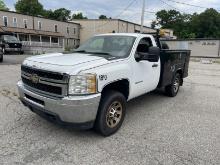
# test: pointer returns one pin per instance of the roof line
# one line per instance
(112, 19)
(38, 17)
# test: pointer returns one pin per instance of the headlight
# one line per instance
(82, 84)
(7, 45)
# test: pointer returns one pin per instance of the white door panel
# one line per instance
(145, 77)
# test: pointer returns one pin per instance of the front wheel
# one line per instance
(1, 58)
(3, 50)
(111, 113)
(172, 89)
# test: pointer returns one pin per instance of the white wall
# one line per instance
(199, 48)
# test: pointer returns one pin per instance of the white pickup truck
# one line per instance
(89, 88)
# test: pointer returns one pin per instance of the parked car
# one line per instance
(90, 87)
(10, 43)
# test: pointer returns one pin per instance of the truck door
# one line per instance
(146, 74)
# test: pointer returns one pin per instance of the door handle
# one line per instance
(155, 65)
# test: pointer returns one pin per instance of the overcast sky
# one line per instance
(114, 8)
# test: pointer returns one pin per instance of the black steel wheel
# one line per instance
(173, 89)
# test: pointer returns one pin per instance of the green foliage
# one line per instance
(204, 25)
(30, 7)
(78, 16)
(103, 17)
(61, 14)
(3, 6)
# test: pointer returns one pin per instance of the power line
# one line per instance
(187, 4)
(152, 12)
(171, 6)
(183, 3)
(117, 16)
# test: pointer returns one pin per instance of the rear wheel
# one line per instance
(111, 113)
(172, 89)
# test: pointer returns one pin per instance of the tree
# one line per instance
(203, 25)
(30, 7)
(78, 16)
(61, 14)
(3, 6)
(173, 19)
(206, 24)
(103, 17)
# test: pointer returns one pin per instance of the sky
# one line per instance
(129, 10)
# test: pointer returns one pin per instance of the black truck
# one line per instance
(10, 43)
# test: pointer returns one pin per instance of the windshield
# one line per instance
(117, 46)
(10, 38)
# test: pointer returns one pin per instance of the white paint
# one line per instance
(142, 76)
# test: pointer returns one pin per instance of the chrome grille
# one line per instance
(46, 82)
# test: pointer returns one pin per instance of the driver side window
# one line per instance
(144, 45)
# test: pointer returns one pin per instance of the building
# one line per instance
(199, 47)
(39, 34)
(91, 27)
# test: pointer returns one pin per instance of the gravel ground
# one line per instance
(157, 129)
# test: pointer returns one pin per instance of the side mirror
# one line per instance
(152, 55)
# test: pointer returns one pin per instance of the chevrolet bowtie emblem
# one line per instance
(34, 78)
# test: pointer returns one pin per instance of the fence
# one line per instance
(199, 47)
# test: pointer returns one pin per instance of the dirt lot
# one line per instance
(157, 129)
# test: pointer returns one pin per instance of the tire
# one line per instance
(108, 120)
(21, 52)
(173, 89)
(3, 50)
(1, 58)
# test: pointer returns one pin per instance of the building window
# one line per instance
(55, 28)
(67, 30)
(5, 21)
(74, 42)
(14, 21)
(74, 30)
(39, 25)
(25, 23)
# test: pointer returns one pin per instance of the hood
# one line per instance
(13, 42)
(65, 59)
(65, 63)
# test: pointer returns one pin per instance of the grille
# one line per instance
(43, 87)
(15, 45)
(43, 74)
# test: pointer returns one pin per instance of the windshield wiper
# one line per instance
(102, 53)
(81, 51)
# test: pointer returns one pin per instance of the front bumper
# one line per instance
(8, 49)
(74, 110)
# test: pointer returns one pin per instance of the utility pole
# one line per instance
(142, 17)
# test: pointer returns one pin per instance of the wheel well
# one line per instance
(121, 86)
(181, 75)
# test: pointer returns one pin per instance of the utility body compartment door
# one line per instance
(171, 62)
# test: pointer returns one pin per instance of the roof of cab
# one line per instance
(125, 34)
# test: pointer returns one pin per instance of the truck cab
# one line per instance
(89, 88)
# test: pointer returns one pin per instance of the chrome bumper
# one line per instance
(74, 109)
